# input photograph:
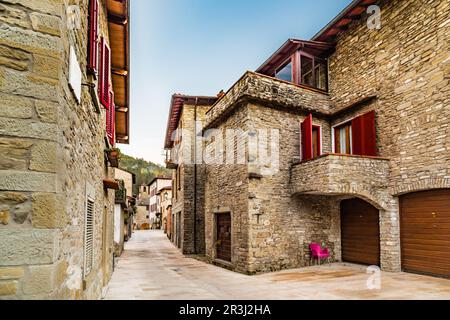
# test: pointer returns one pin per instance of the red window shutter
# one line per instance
(306, 130)
(93, 37)
(105, 66)
(110, 119)
(364, 135)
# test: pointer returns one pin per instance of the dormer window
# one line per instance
(300, 62)
(310, 71)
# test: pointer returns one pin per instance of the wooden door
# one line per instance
(223, 240)
(425, 232)
(360, 232)
(178, 233)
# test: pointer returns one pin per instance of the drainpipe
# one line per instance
(195, 175)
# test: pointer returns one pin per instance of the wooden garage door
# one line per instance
(425, 232)
(360, 231)
(224, 236)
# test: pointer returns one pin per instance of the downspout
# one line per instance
(195, 175)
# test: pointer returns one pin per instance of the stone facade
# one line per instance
(401, 73)
(124, 203)
(52, 149)
(165, 202)
(188, 183)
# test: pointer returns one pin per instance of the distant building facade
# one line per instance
(155, 186)
(123, 209)
(188, 219)
(165, 204)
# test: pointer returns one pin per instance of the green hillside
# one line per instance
(145, 171)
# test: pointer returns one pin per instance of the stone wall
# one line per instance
(54, 151)
(192, 224)
(226, 191)
(282, 224)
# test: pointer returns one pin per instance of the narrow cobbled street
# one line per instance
(151, 268)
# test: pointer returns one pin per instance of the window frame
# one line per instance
(301, 53)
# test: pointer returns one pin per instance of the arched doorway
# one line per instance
(425, 232)
(360, 232)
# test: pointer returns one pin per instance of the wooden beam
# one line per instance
(117, 19)
(120, 72)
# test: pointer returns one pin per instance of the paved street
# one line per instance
(151, 268)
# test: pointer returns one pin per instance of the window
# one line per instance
(317, 150)
(307, 73)
(285, 72)
(343, 139)
(357, 136)
(89, 231)
(306, 69)
(321, 75)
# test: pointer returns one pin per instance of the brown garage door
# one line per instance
(224, 236)
(425, 232)
(360, 231)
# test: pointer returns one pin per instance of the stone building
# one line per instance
(60, 67)
(188, 219)
(123, 209)
(154, 187)
(356, 126)
(165, 203)
(142, 221)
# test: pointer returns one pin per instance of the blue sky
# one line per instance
(199, 47)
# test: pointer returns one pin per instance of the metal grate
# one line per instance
(89, 237)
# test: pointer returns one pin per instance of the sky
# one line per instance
(199, 47)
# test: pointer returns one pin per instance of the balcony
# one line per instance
(335, 174)
(170, 161)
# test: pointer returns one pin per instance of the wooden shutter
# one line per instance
(89, 237)
(306, 130)
(364, 138)
(111, 118)
(105, 66)
(93, 37)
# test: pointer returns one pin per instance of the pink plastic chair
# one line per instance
(318, 253)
